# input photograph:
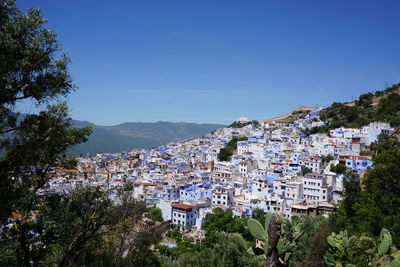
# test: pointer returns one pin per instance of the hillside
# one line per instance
(130, 135)
(296, 114)
(379, 106)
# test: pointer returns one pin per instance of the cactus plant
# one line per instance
(395, 263)
(361, 251)
(385, 242)
(278, 245)
(257, 230)
(238, 239)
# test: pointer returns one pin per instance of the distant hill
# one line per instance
(130, 135)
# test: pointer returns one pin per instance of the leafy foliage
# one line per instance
(363, 111)
(226, 152)
(305, 170)
(338, 168)
(225, 251)
(238, 124)
(85, 227)
(361, 251)
(371, 209)
(317, 129)
(80, 227)
(155, 214)
(223, 221)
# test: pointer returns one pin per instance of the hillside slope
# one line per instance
(296, 114)
(381, 106)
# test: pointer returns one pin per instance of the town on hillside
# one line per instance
(272, 166)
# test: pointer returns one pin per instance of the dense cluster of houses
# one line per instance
(277, 169)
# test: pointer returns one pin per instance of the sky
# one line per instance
(213, 61)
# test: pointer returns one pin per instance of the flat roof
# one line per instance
(182, 206)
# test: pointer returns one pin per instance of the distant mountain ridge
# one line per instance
(130, 135)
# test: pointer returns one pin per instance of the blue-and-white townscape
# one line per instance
(186, 180)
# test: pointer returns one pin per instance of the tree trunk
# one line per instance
(274, 231)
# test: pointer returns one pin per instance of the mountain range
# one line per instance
(130, 135)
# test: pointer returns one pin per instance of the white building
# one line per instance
(183, 216)
(315, 187)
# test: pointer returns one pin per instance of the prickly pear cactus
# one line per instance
(346, 251)
(278, 245)
(238, 239)
(257, 230)
(385, 242)
(268, 218)
(395, 263)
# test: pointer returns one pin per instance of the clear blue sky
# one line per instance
(214, 61)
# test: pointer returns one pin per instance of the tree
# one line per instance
(365, 110)
(226, 152)
(238, 124)
(305, 170)
(372, 208)
(223, 221)
(155, 214)
(316, 129)
(375, 208)
(33, 68)
(69, 163)
(345, 217)
(338, 168)
(225, 251)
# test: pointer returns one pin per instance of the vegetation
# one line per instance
(287, 242)
(155, 214)
(226, 251)
(226, 152)
(82, 227)
(238, 124)
(372, 208)
(317, 129)
(338, 168)
(368, 108)
(305, 170)
(69, 163)
(223, 221)
(361, 251)
(220, 246)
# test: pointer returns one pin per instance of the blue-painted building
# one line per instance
(194, 193)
